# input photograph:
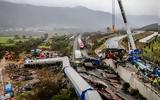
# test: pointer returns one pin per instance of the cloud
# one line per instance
(132, 7)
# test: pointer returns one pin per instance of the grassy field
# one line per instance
(152, 51)
(4, 40)
(136, 37)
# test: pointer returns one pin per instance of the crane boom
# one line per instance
(130, 37)
(113, 16)
(134, 56)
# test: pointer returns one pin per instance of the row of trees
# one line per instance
(9, 41)
(21, 37)
(62, 44)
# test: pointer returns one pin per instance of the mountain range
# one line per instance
(24, 15)
(151, 27)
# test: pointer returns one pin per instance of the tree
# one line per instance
(16, 37)
(23, 36)
(61, 43)
(10, 41)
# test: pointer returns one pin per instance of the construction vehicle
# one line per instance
(113, 29)
(134, 53)
(35, 52)
(131, 43)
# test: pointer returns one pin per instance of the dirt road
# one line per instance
(2, 76)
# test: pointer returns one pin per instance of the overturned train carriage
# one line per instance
(82, 88)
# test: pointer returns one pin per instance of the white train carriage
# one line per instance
(82, 88)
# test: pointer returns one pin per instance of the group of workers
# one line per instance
(155, 77)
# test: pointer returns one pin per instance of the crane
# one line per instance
(134, 53)
(112, 29)
(130, 37)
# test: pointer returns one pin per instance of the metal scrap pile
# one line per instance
(9, 55)
(106, 82)
(19, 76)
(40, 54)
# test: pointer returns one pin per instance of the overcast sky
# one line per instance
(132, 7)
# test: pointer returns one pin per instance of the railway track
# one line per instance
(106, 82)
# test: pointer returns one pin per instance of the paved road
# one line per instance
(84, 50)
(75, 47)
(114, 42)
(144, 40)
(2, 65)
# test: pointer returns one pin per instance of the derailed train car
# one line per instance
(83, 89)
